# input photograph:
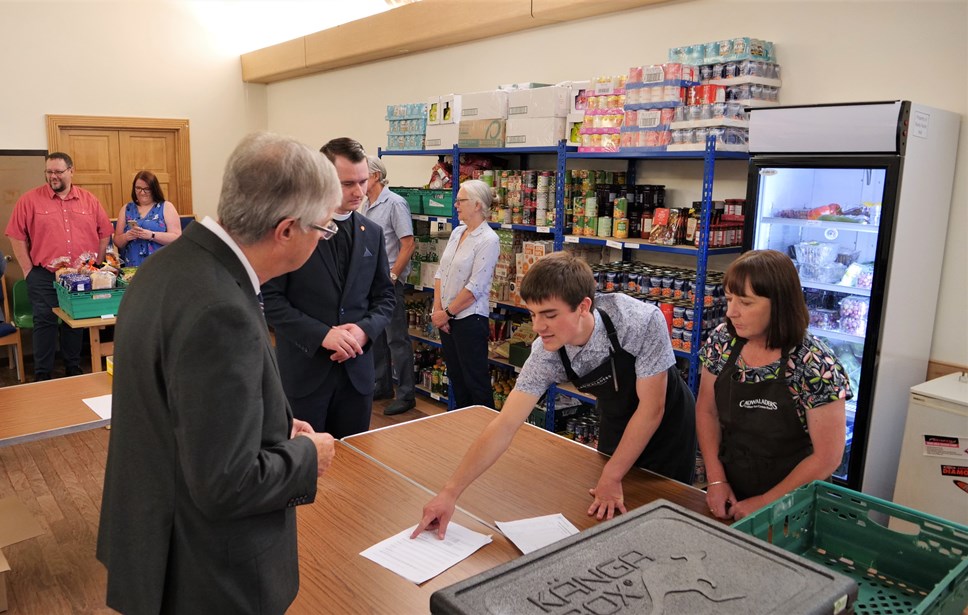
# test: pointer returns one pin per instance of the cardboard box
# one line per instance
(450, 105)
(427, 273)
(526, 85)
(573, 124)
(16, 524)
(489, 105)
(433, 110)
(441, 136)
(482, 133)
(542, 102)
(534, 131)
(580, 91)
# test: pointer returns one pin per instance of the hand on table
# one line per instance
(436, 516)
(608, 498)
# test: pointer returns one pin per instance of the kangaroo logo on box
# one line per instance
(758, 404)
(628, 584)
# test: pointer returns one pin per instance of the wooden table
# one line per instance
(99, 349)
(358, 504)
(540, 474)
(50, 408)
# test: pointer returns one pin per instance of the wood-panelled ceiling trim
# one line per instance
(421, 26)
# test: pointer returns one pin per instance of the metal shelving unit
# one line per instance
(563, 154)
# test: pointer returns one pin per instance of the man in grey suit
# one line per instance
(327, 313)
(206, 462)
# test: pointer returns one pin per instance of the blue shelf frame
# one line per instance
(563, 153)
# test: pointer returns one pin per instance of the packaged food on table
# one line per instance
(76, 282)
(853, 325)
(102, 280)
(856, 307)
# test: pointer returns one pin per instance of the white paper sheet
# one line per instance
(531, 534)
(100, 405)
(424, 557)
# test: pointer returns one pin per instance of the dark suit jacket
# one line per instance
(201, 474)
(304, 305)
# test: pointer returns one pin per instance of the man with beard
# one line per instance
(53, 221)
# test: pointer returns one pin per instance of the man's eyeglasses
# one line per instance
(51, 172)
(140, 190)
(327, 231)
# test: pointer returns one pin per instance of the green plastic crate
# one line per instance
(438, 203)
(921, 572)
(413, 196)
(91, 303)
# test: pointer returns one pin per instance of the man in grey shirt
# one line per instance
(392, 351)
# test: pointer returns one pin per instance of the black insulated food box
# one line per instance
(660, 558)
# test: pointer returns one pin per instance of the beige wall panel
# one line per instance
(287, 58)
(555, 11)
(429, 24)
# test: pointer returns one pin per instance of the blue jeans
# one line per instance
(465, 351)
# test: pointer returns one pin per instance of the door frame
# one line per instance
(55, 123)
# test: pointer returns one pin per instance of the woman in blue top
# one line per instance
(147, 223)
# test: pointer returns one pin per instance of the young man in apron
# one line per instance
(611, 346)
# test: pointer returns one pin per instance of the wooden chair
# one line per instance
(12, 339)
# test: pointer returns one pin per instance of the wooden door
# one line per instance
(96, 165)
(109, 151)
(149, 151)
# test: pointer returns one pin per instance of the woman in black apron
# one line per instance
(771, 409)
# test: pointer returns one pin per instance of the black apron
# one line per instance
(671, 451)
(762, 436)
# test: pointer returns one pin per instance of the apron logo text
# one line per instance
(758, 404)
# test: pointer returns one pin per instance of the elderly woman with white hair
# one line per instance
(462, 288)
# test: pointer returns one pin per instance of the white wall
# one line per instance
(829, 51)
(142, 58)
(150, 58)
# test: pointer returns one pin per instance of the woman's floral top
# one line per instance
(814, 374)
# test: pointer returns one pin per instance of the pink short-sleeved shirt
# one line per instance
(54, 227)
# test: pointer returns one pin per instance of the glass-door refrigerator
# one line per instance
(858, 196)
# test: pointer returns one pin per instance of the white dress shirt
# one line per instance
(469, 265)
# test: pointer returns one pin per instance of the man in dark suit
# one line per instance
(206, 462)
(327, 313)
